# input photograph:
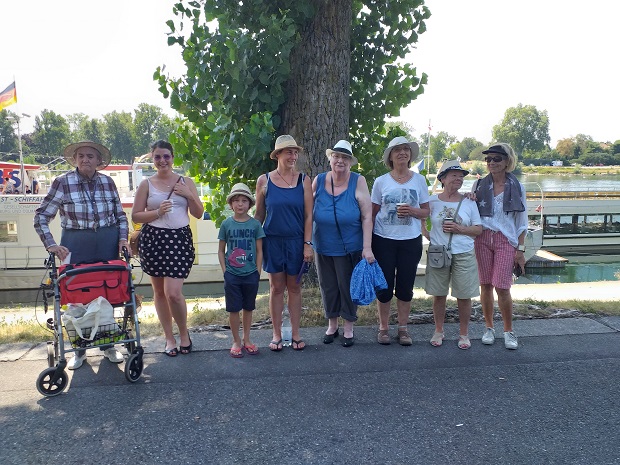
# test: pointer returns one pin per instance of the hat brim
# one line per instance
(273, 154)
(442, 175)
(415, 152)
(328, 153)
(245, 194)
(70, 150)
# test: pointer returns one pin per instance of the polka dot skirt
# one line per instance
(166, 252)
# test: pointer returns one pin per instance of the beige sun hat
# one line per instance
(344, 147)
(69, 153)
(400, 140)
(241, 189)
(284, 142)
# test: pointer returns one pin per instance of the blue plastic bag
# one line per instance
(366, 278)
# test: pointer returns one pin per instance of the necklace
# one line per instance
(400, 178)
(341, 184)
(282, 177)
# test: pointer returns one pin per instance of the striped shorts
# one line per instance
(496, 258)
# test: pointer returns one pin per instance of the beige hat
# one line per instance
(452, 165)
(400, 140)
(342, 146)
(69, 153)
(241, 189)
(284, 142)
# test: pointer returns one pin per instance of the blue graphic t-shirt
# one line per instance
(240, 238)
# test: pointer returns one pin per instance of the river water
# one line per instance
(578, 269)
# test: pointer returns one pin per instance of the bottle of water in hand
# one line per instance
(287, 330)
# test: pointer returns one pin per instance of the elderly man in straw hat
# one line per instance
(284, 206)
(94, 225)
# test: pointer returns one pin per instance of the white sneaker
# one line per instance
(76, 361)
(510, 340)
(113, 355)
(488, 337)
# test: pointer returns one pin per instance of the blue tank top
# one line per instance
(284, 210)
(325, 234)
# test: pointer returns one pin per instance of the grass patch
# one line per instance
(206, 312)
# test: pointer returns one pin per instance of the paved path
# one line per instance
(553, 401)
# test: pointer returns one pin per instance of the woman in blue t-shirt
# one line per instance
(342, 232)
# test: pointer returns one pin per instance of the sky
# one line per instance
(481, 56)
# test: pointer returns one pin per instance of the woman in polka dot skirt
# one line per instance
(166, 246)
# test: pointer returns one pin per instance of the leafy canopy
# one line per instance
(237, 56)
(524, 127)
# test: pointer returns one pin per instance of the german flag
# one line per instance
(8, 96)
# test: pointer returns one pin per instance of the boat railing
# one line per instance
(570, 195)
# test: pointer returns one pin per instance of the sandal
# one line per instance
(251, 349)
(296, 344)
(171, 352)
(187, 349)
(403, 337)
(275, 346)
(437, 339)
(464, 342)
(236, 353)
(383, 337)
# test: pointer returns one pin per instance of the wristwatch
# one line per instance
(521, 248)
(308, 242)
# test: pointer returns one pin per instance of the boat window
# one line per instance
(591, 224)
(8, 231)
(582, 224)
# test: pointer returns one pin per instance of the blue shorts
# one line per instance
(283, 254)
(240, 291)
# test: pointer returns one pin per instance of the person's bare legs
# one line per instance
(439, 312)
(163, 311)
(332, 326)
(486, 300)
(403, 308)
(294, 309)
(384, 315)
(234, 321)
(247, 326)
(348, 329)
(464, 306)
(277, 284)
(173, 288)
(504, 302)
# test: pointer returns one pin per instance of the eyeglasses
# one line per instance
(165, 156)
(496, 159)
(339, 156)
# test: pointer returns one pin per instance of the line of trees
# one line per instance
(127, 135)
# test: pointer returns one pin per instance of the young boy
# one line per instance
(241, 255)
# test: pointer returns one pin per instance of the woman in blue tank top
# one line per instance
(284, 206)
(342, 235)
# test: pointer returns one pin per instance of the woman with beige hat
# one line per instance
(284, 206)
(399, 201)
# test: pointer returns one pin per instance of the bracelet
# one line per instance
(158, 215)
(308, 242)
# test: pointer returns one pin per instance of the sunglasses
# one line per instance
(339, 156)
(165, 156)
(496, 159)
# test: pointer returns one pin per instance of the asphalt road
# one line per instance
(553, 401)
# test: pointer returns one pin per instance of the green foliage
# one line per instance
(464, 149)
(8, 134)
(119, 136)
(233, 93)
(524, 128)
(51, 133)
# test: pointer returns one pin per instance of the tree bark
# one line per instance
(316, 112)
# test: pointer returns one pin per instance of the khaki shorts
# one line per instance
(462, 277)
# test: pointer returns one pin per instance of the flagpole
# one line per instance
(428, 168)
(21, 157)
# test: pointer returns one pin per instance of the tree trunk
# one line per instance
(316, 112)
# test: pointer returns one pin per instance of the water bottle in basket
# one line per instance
(287, 330)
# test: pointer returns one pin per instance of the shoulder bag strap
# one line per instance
(172, 190)
(336, 217)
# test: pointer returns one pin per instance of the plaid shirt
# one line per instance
(83, 204)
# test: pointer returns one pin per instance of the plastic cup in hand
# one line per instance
(399, 209)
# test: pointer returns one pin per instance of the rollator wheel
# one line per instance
(133, 368)
(48, 388)
(51, 354)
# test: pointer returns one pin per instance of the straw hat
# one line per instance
(69, 153)
(241, 189)
(342, 146)
(400, 140)
(284, 142)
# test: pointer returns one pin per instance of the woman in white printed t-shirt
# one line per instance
(399, 200)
